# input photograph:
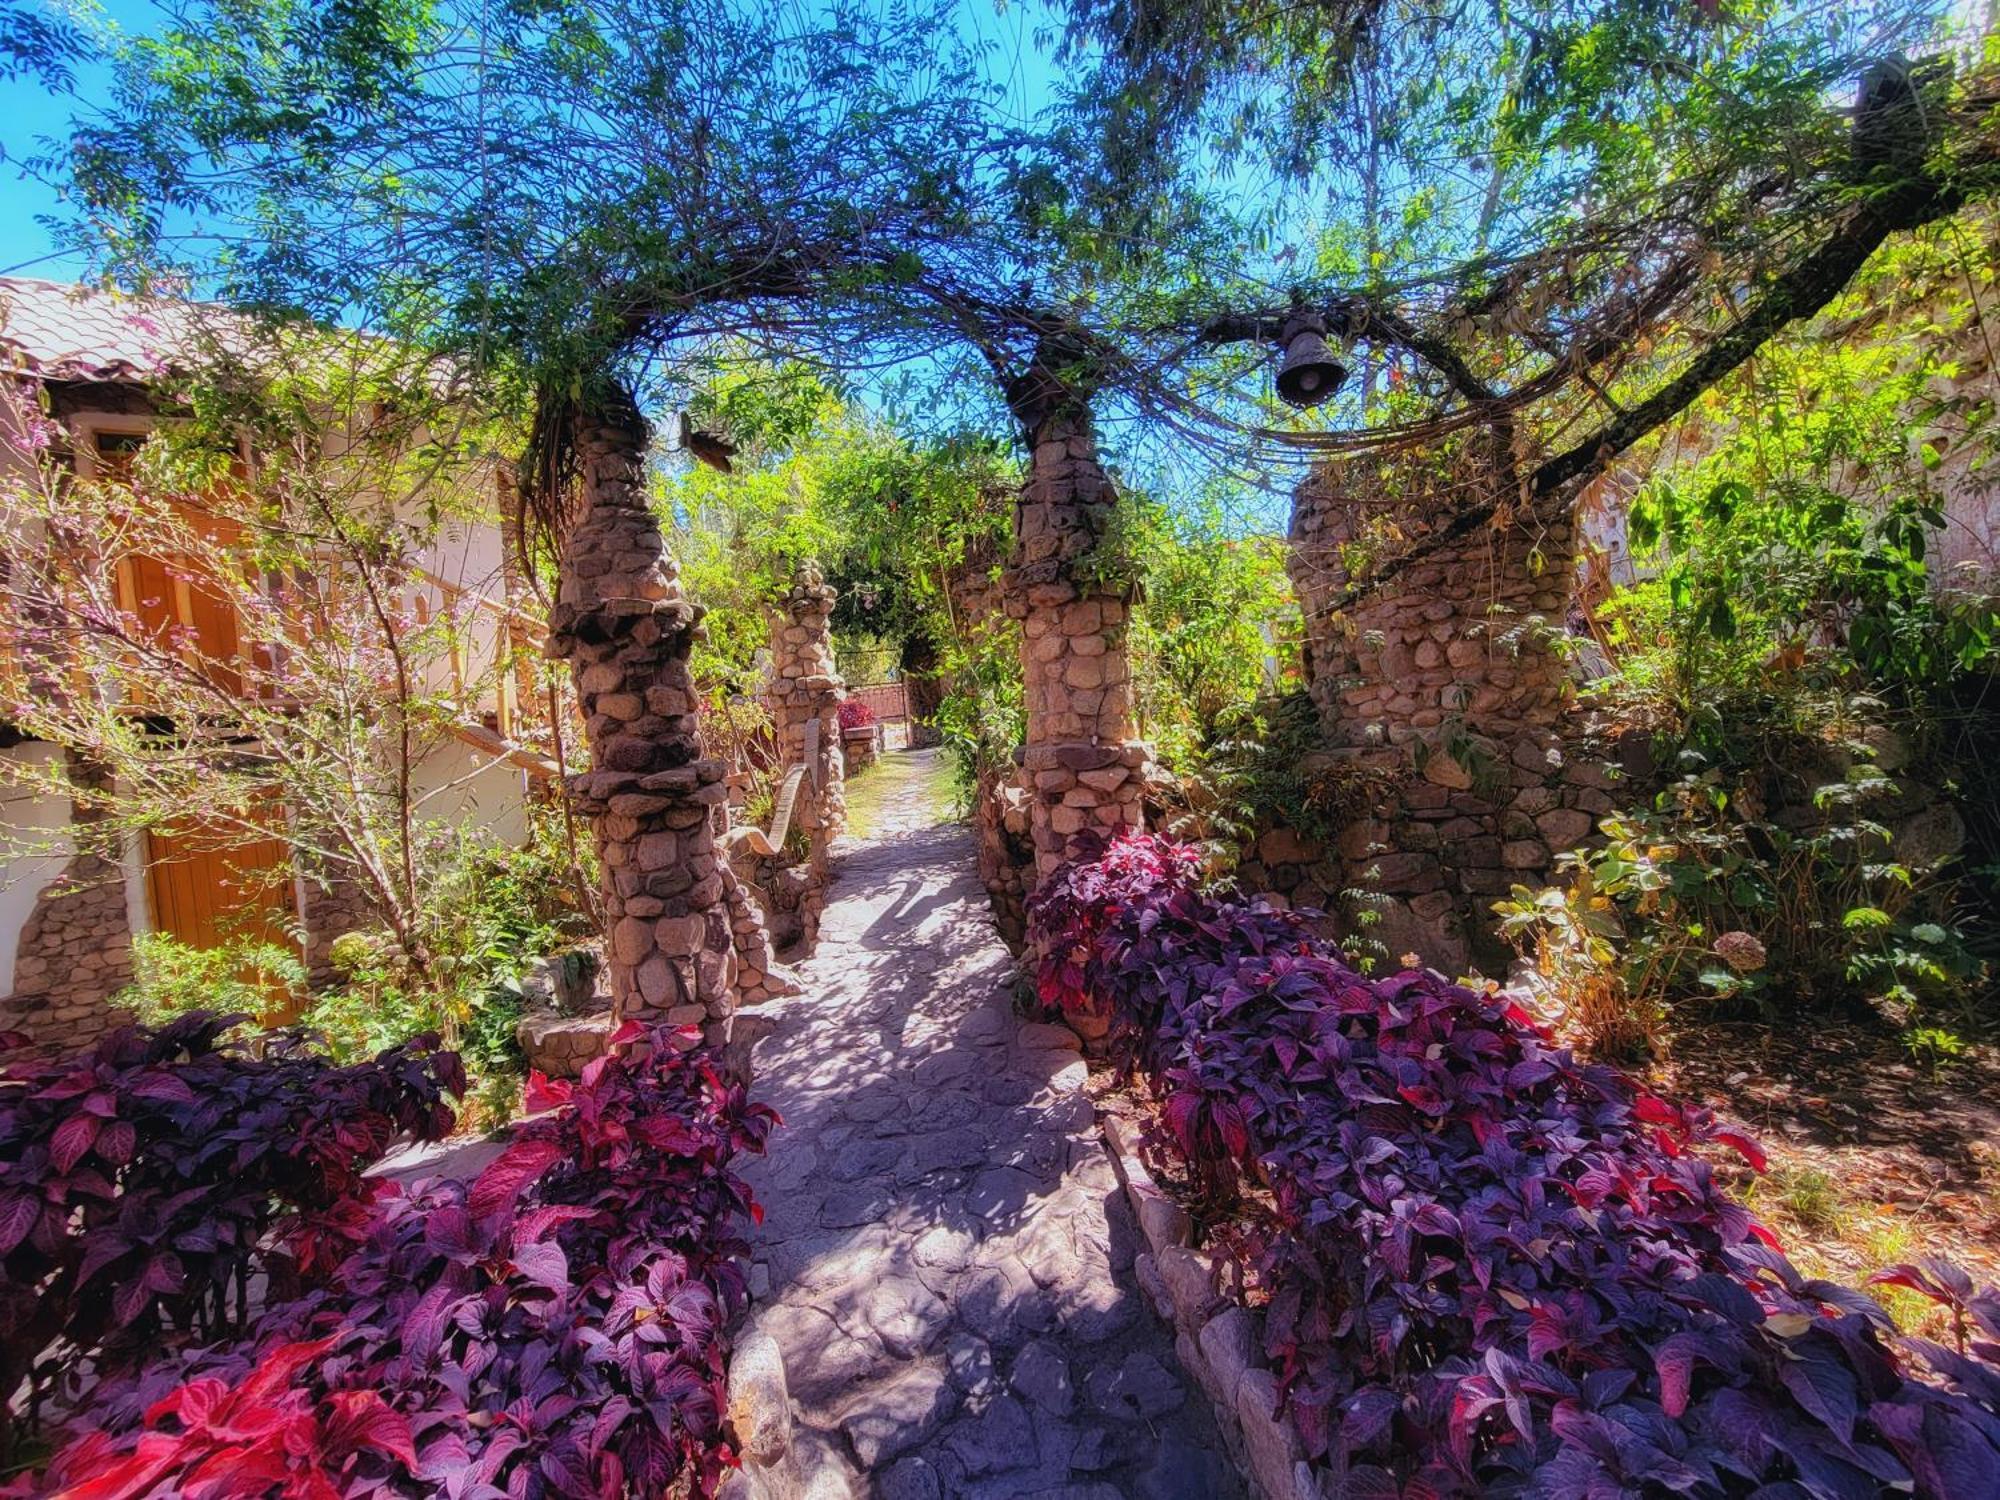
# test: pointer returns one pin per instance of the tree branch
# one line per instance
(1799, 293)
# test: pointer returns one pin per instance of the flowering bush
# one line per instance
(147, 1179)
(1494, 1269)
(553, 1328)
(854, 714)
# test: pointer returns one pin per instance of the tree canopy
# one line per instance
(1568, 217)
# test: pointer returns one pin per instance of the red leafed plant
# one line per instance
(1495, 1269)
(146, 1180)
(855, 714)
(554, 1327)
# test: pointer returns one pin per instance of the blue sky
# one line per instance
(29, 115)
(1013, 32)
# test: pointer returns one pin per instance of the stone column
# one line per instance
(1082, 762)
(625, 627)
(806, 688)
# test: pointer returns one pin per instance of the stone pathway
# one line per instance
(946, 1260)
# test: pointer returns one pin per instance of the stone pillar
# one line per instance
(625, 627)
(1082, 762)
(806, 688)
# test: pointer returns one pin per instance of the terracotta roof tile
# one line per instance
(65, 332)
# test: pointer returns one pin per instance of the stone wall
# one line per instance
(1430, 654)
(1431, 858)
(75, 950)
(626, 628)
(333, 906)
(75, 953)
(759, 977)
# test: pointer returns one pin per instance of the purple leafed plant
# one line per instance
(1496, 1269)
(553, 1328)
(147, 1179)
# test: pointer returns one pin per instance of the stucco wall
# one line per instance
(459, 785)
(34, 847)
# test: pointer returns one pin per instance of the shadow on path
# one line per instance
(949, 1259)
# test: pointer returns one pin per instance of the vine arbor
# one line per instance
(583, 201)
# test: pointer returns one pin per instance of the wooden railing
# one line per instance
(517, 635)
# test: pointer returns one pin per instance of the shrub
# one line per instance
(171, 978)
(855, 714)
(1261, 766)
(1493, 1268)
(555, 1327)
(145, 1181)
(1694, 899)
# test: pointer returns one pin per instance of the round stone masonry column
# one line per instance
(1082, 764)
(806, 688)
(624, 625)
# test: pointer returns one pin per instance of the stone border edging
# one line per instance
(1218, 1340)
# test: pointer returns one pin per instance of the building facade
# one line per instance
(68, 910)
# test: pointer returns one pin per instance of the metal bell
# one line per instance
(1309, 373)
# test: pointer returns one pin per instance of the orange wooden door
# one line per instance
(208, 896)
(171, 597)
(173, 604)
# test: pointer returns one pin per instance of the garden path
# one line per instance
(945, 1259)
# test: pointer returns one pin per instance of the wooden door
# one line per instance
(170, 596)
(208, 896)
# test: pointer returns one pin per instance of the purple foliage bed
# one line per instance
(1496, 1269)
(554, 1327)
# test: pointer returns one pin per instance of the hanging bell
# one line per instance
(1309, 373)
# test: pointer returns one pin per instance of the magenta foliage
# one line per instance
(1494, 1268)
(144, 1180)
(554, 1327)
(854, 714)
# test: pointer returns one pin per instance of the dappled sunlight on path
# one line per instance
(948, 1254)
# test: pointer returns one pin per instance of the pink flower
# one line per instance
(1741, 951)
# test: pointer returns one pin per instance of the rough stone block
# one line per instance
(1564, 828)
(1190, 1282)
(1164, 1222)
(1271, 1443)
(760, 1408)
(1228, 1346)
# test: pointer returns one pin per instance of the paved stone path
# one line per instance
(949, 1259)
